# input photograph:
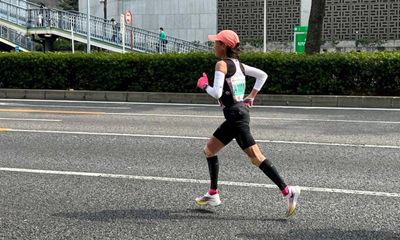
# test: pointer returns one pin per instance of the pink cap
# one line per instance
(229, 37)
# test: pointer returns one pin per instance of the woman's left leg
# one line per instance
(259, 160)
(246, 141)
(291, 192)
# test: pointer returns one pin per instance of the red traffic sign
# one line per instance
(128, 17)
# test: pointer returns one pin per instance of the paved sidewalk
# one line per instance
(262, 99)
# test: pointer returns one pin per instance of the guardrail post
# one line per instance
(8, 12)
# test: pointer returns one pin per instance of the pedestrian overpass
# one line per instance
(22, 21)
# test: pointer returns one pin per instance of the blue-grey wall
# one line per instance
(190, 20)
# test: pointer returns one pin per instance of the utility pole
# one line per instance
(104, 8)
(88, 27)
(265, 25)
(72, 34)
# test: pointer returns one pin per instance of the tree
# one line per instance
(69, 5)
(315, 24)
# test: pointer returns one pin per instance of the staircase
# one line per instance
(29, 19)
(15, 39)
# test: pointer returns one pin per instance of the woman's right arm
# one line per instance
(219, 77)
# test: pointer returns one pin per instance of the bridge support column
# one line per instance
(48, 43)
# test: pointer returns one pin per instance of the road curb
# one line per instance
(161, 97)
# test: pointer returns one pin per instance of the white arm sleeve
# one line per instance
(216, 90)
(258, 74)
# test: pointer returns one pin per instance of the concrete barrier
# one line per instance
(35, 94)
(324, 101)
(74, 95)
(283, 100)
(203, 98)
(396, 102)
(55, 94)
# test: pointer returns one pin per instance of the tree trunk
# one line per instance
(315, 23)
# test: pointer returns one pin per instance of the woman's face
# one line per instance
(219, 49)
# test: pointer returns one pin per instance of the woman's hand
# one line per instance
(249, 100)
(202, 83)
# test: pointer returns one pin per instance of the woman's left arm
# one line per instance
(261, 78)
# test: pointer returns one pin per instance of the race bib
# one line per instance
(238, 87)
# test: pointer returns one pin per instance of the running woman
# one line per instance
(229, 88)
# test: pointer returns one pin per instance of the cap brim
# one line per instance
(212, 38)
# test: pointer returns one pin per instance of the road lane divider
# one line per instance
(203, 138)
(197, 181)
(22, 110)
(31, 119)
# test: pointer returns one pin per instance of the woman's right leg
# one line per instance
(211, 149)
(221, 137)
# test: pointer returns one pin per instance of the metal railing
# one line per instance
(32, 16)
(13, 13)
(23, 3)
(16, 38)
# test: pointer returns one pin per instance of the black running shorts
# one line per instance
(236, 126)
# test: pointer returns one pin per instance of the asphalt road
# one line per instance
(97, 170)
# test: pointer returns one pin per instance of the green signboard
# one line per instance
(300, 36)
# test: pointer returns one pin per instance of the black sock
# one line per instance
(213, 167)
(270, 170)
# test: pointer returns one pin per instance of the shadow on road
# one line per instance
(158, 214)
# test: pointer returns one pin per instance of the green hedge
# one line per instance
(328, 73)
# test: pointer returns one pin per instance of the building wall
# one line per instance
(247, 18)
(362, 19)
(190, 20)
(344, 19)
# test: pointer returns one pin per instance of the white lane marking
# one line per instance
(31, 119)
(253, 117)
(165, 115)
(205, 116)
(63, 106)
(107, 103)
(204, 138)
(331, 108)
(326, 120)
(205, 105)
(107, 134)
(331, 144)
(185, 180)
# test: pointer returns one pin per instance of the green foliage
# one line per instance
(329, 73)
(257, 43)
(69, 5)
